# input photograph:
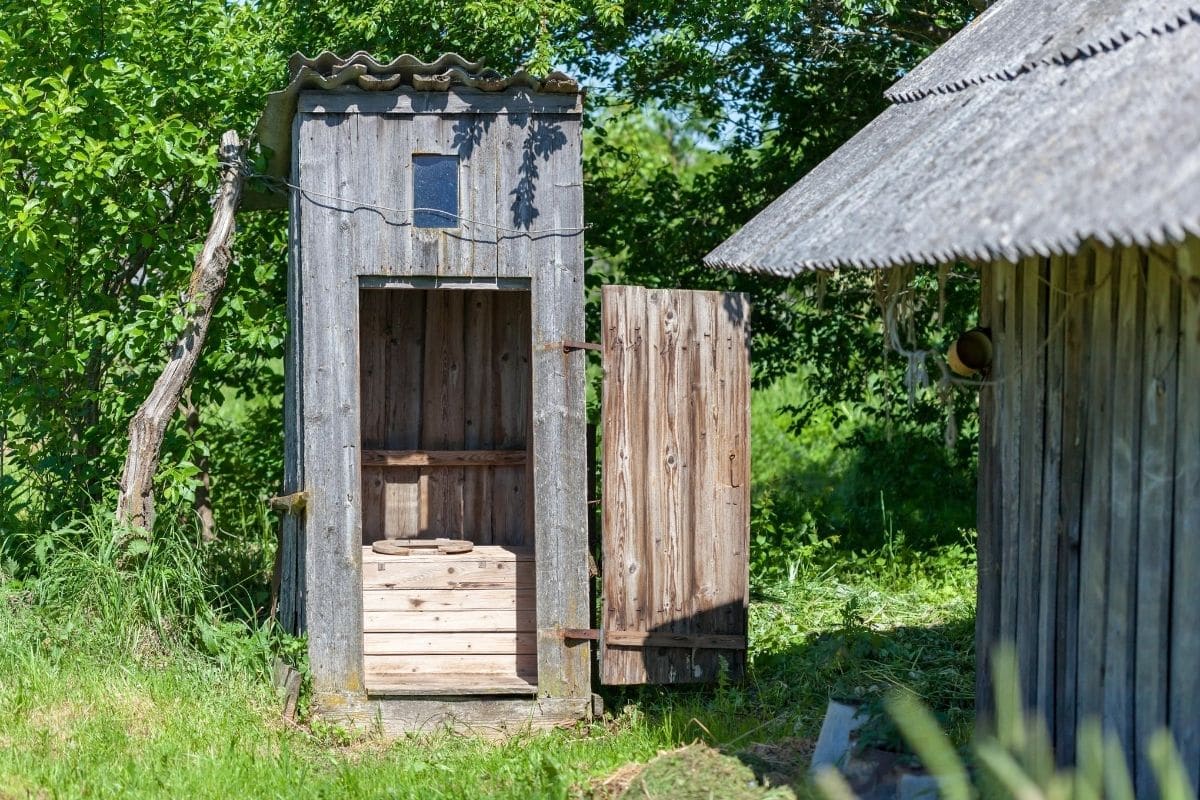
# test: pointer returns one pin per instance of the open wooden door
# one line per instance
(676, 485)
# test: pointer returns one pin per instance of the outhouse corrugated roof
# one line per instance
(1041, 125)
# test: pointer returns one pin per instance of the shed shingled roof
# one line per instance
(362, 71)
(1014, 37)
(1094, 143)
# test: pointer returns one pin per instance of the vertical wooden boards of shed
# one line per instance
(676, 479)
(330, 388)
(560, 476)
(510, 408)
(1125, 435)
(442, 413)
(1151, 645)
(1115, 481)
(1053, 299)
(1077, 311)
(373, 333)
(478, 142)
(540, 191)
(479, 421)
(1184, 694)
(1030, 401)
(404, 349)
(1097, 476)
(380, 241)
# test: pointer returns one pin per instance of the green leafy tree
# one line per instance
(109, 115)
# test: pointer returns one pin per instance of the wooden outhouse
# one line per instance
(435, 388)
(1053, 146)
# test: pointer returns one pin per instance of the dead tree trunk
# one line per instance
(135, 505)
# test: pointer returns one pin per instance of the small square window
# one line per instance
(435, 191)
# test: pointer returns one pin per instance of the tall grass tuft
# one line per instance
(132, 594)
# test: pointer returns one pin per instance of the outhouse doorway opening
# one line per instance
(445, 387)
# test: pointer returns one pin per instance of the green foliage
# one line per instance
(109, 115)
(108, 123)
(103, 586)
(849, 482)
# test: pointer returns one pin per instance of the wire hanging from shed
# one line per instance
(896, 300)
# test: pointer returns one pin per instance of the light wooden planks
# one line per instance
(443, 600)
(451, 684)
(430, 555)
(676, 480)
(478, 574)
(492, 620)
(424, 621)
(450, 642)
(415, 670)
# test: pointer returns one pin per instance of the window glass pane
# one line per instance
(435, 186)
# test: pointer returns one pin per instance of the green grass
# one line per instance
(126, 669)
(123, 681)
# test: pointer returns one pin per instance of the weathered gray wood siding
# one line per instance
(559, 472)
(520, 177)
(521, 202)
(1089, 516)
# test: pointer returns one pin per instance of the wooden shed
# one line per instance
(435, 388)
(1054, 146)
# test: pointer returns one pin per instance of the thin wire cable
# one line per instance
(406, 213)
